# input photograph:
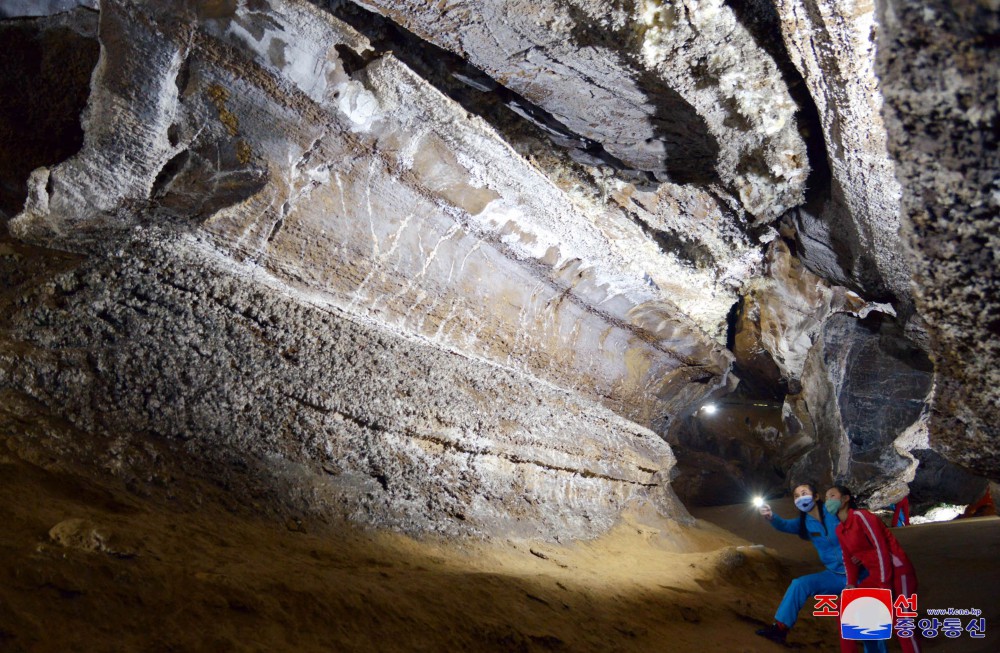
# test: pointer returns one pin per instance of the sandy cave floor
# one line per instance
(160, 578)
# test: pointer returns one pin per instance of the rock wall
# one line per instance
(247, 170)
(676, 89)
(939, 67)
(462, 257)
(377, 192)
(850, 234)
(165, 344)
(849, 375)
(872, 384)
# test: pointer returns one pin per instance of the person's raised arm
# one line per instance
(784, 525)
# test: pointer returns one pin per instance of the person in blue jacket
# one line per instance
(816, 525)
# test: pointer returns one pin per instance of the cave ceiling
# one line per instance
(505, 249)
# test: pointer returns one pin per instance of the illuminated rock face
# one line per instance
(380, 194)
(164, 350)
(475, 288)
(679, 89)
(247, 150)
(851, 233)
(845, 383)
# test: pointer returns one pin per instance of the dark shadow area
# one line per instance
(690, 149)
(45, 71)
(222, 578)
(728, 449)
(939, 480)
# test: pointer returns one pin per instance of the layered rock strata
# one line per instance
(676, 89)
(165, 344)
(378, 192)
(242, 175)
(259, 179)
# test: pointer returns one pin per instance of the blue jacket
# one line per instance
(826, 543)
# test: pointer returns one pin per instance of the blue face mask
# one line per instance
(805, 503)
(833, 506)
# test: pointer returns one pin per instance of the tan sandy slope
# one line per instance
(93, 567)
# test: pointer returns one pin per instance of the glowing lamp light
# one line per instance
(758, 502)
(709, 409)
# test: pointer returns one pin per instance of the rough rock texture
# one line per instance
(465, 278)
(247, 168)
(940, 67)
(829, 385)
(382, 195)
(851, 233)
(168, 346)
(865, 378)
(25, 8)
(780, 316)
(677, 89)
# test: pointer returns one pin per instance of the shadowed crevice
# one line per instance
(44, 86)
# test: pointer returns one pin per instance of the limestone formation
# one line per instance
(162, 347)
(382, 195)
(939, 67)
(851, 381)
(245, 152)
(679, 90)
(468, 267)
(865, 378)
(781, 315)
(854, 239)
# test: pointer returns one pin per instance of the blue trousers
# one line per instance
(803, 587)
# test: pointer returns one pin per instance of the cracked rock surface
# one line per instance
(367, 424)
(468, 267)
(855, 238)
(236, 183)
(658, 85)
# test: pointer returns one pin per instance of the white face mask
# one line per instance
(805, 503)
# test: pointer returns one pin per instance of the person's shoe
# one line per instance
(774, 632)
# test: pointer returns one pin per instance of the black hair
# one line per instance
(803, 533)
(843, 490)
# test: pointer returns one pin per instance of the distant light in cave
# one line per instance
(709, 409)
(941, 512)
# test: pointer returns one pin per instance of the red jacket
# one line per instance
(901, 514)
(864, 537)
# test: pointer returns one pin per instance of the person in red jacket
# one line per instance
(866, 542)
(901, 512)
